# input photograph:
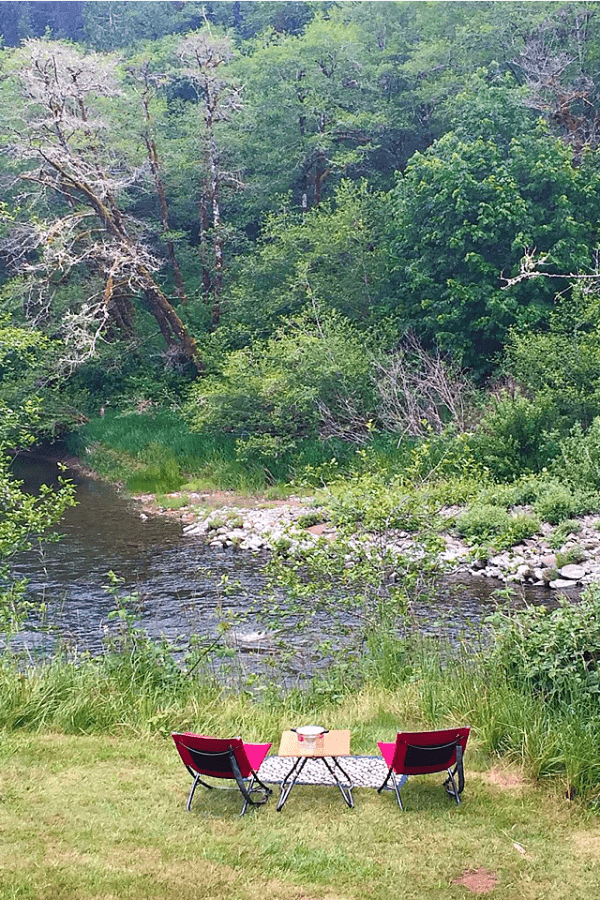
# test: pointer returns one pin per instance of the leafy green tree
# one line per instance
(463, 216)
(332, 255)
(19, 21)
(312, 110)
(117, 24)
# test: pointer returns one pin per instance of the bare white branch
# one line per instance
(421, 392)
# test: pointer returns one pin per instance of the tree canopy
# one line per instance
(181, 178)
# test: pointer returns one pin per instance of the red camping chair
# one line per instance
(224, 758)
(422, 752)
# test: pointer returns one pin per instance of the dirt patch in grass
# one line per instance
(478, 881)
(587, 844)
(506, 779)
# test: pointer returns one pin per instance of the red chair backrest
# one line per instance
(421, 752)
(212, 756)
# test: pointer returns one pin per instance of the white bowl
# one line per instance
(310, 733)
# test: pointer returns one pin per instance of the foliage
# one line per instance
(556, 501)
(484, 523)
(515, 436)
(272, 395)
(24, 517)
(560, 534)
(463, 214)
(579, 460)
(333, 253)
(554, 653)
(561, 367)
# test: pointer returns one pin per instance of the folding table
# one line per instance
(327, 748)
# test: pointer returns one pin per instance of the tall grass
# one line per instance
(403, 685)
(155, 452)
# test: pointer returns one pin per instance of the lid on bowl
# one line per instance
(310, 730)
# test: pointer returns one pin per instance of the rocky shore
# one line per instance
(569, 563)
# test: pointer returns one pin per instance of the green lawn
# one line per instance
(86, 817)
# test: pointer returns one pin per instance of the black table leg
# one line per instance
(345, 789)
(290, 780)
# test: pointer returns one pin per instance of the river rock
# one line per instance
(572, 572)
(548, 561)
(548, 574)
(562, 584)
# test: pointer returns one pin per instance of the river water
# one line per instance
(180, 579)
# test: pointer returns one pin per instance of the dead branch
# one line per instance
(68, 144)
(422, 392)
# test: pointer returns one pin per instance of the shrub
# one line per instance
(570, 556)
(557, 502)
(272, 395)
(552, 652)
(562, 531)
(579, 460)
(485, 523)
(520, 527)
(515, 436)
(561, 365)
(482, 522)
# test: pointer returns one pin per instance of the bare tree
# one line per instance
(553, 67)
(202, 57)
(78, 180)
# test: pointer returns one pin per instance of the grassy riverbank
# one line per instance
(104, 817)
(93, 793)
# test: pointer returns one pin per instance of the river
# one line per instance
(179, 579)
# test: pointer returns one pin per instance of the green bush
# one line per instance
(485, 523)
(579, 459)
(314, 374)
(562, 531)
(570, 556)
(552, 652)
(516, 436)
(557, 501)
(482, 522)
(561, 366)
(521, 527)
(522, 492)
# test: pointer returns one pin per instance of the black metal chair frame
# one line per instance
(246, 785)
(345, 787)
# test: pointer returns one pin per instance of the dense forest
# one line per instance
(332, 222)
